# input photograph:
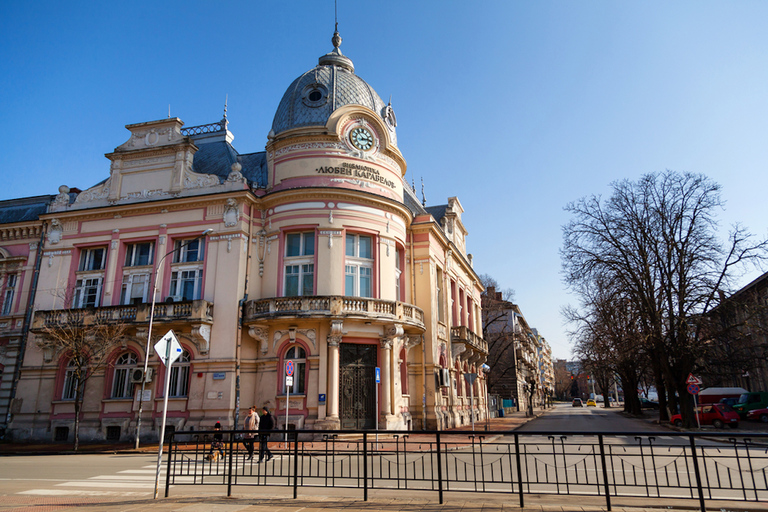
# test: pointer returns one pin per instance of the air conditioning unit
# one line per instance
(138, 376)
(444, 377)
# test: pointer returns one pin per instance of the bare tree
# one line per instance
(85, 337)
(658, 240)
(498, 332)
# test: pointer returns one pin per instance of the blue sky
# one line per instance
(515, 107)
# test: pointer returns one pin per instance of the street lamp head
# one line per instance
(207, 232)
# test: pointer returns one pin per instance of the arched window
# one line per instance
(70, 380)
(180, 376)
(121, 380)
(296, 354)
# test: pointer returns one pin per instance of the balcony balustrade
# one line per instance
(374, 310)
(194, 311)
(462, 334)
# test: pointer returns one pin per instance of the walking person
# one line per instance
(266, 423)
(251, 426)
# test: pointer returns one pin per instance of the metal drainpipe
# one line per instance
(241, 314)
(25, 327)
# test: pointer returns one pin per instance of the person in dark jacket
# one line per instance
(217, 443)
(266, 423)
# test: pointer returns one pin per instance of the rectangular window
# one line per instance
(135, 288)
(299, 264)
(137, 255)
(299, 280)
(187, 284)
(358, 269)
(92, 259)
(179, 386)
(70, 385)
(398, 275)
(189, 251)
(10, 290)
(88, 292)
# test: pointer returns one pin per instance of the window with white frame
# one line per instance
(135, 288)
(398, 274)
(139, 254)
(299, 264)
(92, 259)
(8, 294)
(70, 380)
(88, 292)
(90, 277)
(296, 354)
(188, 251)
(358, 267)
(187, 273)
(180, 376)
(121, 380)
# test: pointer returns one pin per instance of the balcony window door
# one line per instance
(187, 270)
(299, 264)
(90, 278)
(135, 288)
(358, 268)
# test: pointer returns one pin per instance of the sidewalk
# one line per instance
(273, 499)
(508, 422)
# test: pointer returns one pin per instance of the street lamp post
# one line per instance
(151, 320)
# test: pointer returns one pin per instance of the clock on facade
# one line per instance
(361, 138)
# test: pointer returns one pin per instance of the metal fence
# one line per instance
(694, 466)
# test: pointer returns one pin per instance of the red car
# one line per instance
(717, 415)
(758, 414)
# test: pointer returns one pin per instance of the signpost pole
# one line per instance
(378, 380)
(288, 386)
(170, 345)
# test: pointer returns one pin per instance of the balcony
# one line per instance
(193, 311)
(360, 308)
(472, 341)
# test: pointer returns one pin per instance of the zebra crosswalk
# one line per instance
(128, 483)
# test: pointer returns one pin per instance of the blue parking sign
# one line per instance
(378, 375)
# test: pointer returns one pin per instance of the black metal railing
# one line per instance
(690, 466)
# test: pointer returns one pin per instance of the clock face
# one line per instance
(361, 138)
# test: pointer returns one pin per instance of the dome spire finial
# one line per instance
(336, 39)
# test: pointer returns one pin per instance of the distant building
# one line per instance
(320, 254)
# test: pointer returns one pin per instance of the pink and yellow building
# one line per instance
(320, 253)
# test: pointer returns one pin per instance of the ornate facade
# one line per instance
(314, 252)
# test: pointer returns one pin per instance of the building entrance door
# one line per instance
(358, 394)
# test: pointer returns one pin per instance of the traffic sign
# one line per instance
(289, 380)
(470, 377)
(289, 367)
(693, 380)
(693, 389)
(378, 375)
(161, 347)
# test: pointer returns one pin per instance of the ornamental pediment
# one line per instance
(153, 134)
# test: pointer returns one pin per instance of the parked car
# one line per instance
(758, 414)
(577, 402)
(717, 415)
(750, 401)
(591, 403)
(648, 404)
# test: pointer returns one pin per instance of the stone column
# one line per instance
(387, 378)
(334, 340)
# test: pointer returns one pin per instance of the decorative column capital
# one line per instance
(334, 337)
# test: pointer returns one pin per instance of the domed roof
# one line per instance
(314, 96)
